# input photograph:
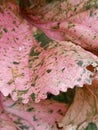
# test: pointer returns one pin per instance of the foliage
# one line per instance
(49, 55)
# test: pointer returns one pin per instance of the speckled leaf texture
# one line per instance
(74, 20)
(61, 66)
(30, 70)
(15, 44)
(31, 116)
(50, 71)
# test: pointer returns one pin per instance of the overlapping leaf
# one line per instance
(84, 109)
(60, 66)
(72, 20)
(33, 116)
(15, 44)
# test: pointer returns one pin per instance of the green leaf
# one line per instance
(91, 126)
(64, 97)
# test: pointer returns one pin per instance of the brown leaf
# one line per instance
(84, 108)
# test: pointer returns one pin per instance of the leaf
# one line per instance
(16, 41)
(4, 119)
(91, 126)
(72, 20)
(83, 110)
(84, 31)
(65, 97)
(34, 116)
(60, 66)
(51, 69)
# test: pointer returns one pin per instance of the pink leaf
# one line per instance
(5, 122)
(42, 116)
(16, 41)
(82, 29)
(72, 20)
(61, 66)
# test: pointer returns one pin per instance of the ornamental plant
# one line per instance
(48, 64)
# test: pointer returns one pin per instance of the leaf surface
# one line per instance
(16, 41)
(72, 20)
(60, 66)
(34, 116)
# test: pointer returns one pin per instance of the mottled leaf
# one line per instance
(61, 66)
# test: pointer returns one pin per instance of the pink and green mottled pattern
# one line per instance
(74, 20)
(16, 41)
(31, 116)
(61, 66)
